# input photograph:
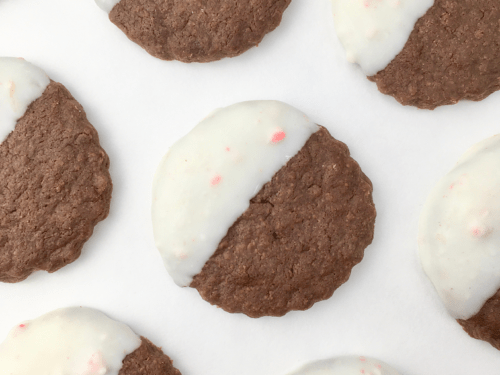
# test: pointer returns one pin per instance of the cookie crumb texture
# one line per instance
(197, 30)
(298, 240)
(54, 186)
(485, 325)
(148, 359)
(453, 53)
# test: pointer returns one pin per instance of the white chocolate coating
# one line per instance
(21, 83)
(71, 341)
(459, 231)
(373, 32)
(347, 366)
(106, 5)
(206, 180)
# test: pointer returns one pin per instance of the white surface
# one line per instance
(349, 365)
(140, 106)
(20, 84)
(373, 32)
(207, 179)
(459, 236)
(74, 340)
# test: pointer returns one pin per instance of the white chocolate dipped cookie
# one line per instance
(54, 179)
(411, 50)
(348, 365)
(253, 190)
(80, 341)
(459, 240)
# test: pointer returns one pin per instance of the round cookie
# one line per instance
(80, 340)
(54, 180)
(261, 210)
(459, 238)
(449, 54)
(194, 30)
(348, 365)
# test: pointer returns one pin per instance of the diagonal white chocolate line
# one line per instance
(74, 340)
(106, 5)
(459, 231)
(21, 83)
(207, 179)
(373, 32)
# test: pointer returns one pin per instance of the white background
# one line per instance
(140, 105)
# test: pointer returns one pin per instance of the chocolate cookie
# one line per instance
(80, 340)
(459, 237)
(148, 359)
(261, 210)
(348, 365)
(195, 30)
(451, 53)
(54, 180)
(485, 324)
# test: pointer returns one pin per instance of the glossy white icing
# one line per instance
(349, 365)
(106, 5)
(373, 32)
(459, 231)
(206, 180)
(21, 83)
(71, 341)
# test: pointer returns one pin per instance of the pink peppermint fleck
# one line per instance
(477, 232)
(95, 364)
(216, 180)
(20, 329)
(278, 136)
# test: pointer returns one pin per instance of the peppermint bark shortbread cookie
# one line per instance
(349, 365)
(459, 240)
(54, 180)
(195, 30)
(424, 53)
(261, 210)
(80, 340)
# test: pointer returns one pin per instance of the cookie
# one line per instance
(261, 210)
(80, 340)
(54, 180)
(449, 54)
(195, 30)
(348, 365)
(459, 237)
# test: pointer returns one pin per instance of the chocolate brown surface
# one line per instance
(54, 186)
(197, 30)
(298, 240)
(485, 325)
(148, 359)
(452, 54)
